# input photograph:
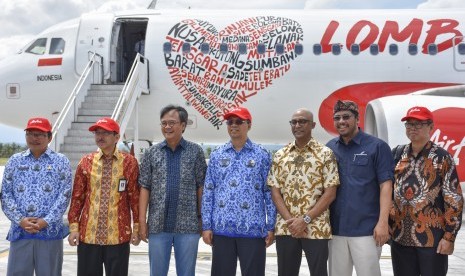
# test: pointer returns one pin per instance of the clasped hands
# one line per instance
(33, 225)
(297, 227)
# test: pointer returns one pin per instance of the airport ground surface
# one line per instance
(138, 262)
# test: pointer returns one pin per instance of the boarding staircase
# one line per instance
(91, 100)
(99, 102)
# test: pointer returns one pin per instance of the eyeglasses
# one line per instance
(168, 123)
(103, 133)
(238, 122)
(416, 125)
(344, 117)
(300, 122)
(36, 134)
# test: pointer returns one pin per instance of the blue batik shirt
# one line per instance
(236, 200)
(38, 188)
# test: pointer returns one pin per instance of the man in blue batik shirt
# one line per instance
(238, 214)
(36, 190)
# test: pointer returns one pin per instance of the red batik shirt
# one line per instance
(105, 192)
(428, 200)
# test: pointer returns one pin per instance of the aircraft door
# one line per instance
(459, 53)
(94, 36)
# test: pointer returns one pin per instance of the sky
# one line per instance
(21, 20)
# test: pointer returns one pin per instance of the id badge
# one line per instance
(122, 185)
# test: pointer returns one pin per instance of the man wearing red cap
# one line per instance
(105, 193)
(36, 189)
(238, 214)
(428, 201)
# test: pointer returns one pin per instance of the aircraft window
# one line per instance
(374, 49)
(261, 48)
(432, 49)
(461, 48)
(393, 49)
(336, 49)
(242, 48)
(205, 48)
(413, 49)
(317, 49)
(37, 47)
(223, 48)
(279, 48)
(57, 46)
(167, 47)
(186, 48)
(355, 49)
(299, 49)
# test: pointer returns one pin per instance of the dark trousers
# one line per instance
(250, 251)
(115, 258)
(289, 252)
(415, 261)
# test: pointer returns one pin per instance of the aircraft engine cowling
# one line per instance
(383, 119)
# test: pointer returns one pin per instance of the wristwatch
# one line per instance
(307, 219)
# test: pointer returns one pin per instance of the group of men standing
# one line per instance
(339, 202)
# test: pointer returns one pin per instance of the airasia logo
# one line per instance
(450, 135)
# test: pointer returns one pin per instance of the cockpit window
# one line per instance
(37, 47)
(57, 46)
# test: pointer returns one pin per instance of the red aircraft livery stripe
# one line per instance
(49, 61)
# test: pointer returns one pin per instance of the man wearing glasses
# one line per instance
(171, 179)
(359, 215)
(105, 198)
(428, 201)
(36, 188)
(238, 214)
(303, 181)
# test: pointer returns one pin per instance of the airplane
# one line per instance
(270, 61)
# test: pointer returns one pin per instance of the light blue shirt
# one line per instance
(236, 200)
(38, 188)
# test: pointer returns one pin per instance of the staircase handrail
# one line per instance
(65, 114)
(136, 84)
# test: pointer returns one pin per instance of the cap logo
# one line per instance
(414, 110)
(36, 122)
(102, 121)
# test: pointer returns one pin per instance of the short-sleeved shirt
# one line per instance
(302, 175)
(36, 187)
(173, 178)
(105, 193)
(428, 200)
(364, 164)
(236, 200)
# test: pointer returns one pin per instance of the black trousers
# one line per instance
(415, 261)
(250, 251)
(115, 258)
(289, 252)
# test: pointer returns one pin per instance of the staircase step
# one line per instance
(82, 125)
(107, 87)
(80, 140)
(98, 105)
(91, 119)
(101, 99)
(80, 132)
(74, 148)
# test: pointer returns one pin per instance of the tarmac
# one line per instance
(139, 262)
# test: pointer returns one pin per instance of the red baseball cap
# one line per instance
(240, 112)
(419, 113)
(38, 123)
(107, 124)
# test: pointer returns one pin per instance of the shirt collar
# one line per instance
(248, 145)
(357, 139)
(310, 144)
(182, 144)
(116, 154)
(47, 152)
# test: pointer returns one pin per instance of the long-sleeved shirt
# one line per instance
(236, 200)
(428, 200)
(173, 179)
(105, 192)
(36, 187)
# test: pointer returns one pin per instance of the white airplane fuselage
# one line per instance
(272, 85)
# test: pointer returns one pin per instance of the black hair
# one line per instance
(183, 116)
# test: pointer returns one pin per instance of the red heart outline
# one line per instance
(216, 82)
